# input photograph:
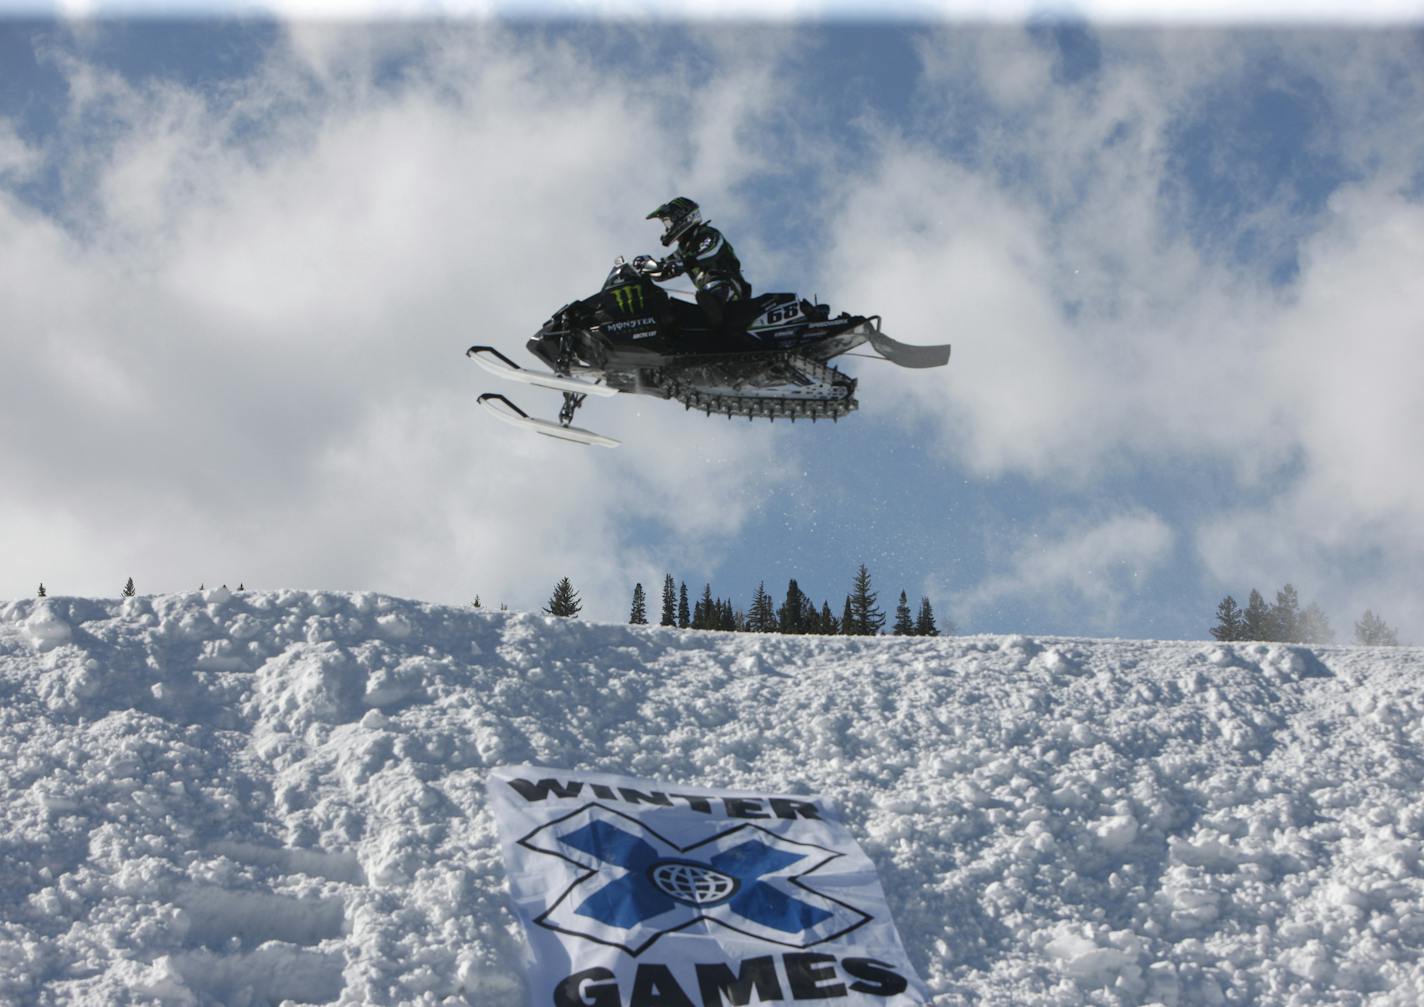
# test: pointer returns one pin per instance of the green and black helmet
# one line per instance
(678, 215)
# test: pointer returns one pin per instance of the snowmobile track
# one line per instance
(826, 393)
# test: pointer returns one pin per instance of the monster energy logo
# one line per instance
(629, 299)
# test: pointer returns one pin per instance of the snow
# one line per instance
(243, 798)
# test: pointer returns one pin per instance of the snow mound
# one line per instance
(239, 798)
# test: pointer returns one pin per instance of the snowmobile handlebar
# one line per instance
(623, 270)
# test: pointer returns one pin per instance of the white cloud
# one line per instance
(18, 160)
(948, 258)
(244, 341)
(1075, 566)
(245, 363)
(1104, 11)
(1345, 361)
(1094, 338)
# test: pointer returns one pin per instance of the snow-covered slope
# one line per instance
(248, 798)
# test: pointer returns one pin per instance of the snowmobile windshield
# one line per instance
(620, 273)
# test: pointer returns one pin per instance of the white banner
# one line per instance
(635, 893)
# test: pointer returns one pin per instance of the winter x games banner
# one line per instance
(635, 893)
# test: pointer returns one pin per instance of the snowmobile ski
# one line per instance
(505, 368)
(512, 414)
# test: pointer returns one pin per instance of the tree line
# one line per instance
(797, 613)
(1284, 621)
(129, 590)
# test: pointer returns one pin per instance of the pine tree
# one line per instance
(669, 602)
(903, 626)
(638, 616)
(564, 601)
(925, 621)
(1256, 619)
(768, 614)
(475, 603)
(754, 616)
(1372, 631)
(1314, 626)
(1230, 622)
(1285, 616)
(129, 590)
(762, 617)
(706, 617)
(788, 617)
(43, 593)
(243, 587)
(829, 626)
(868, 618)
(847, 619)
(684, 615)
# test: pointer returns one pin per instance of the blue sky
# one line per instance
(1177, 263)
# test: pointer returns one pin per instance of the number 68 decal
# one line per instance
(784, 314)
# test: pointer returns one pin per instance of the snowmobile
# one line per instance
(770, 359)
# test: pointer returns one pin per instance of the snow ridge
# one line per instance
(222, 798)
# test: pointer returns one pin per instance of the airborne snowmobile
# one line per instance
(632, 336)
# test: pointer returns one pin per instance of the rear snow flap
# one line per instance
(906, 355)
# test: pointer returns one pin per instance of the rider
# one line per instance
(704, 255)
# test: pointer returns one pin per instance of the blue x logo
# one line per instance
(638, 886)
(655, 884)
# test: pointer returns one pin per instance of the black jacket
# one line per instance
(708, 258)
